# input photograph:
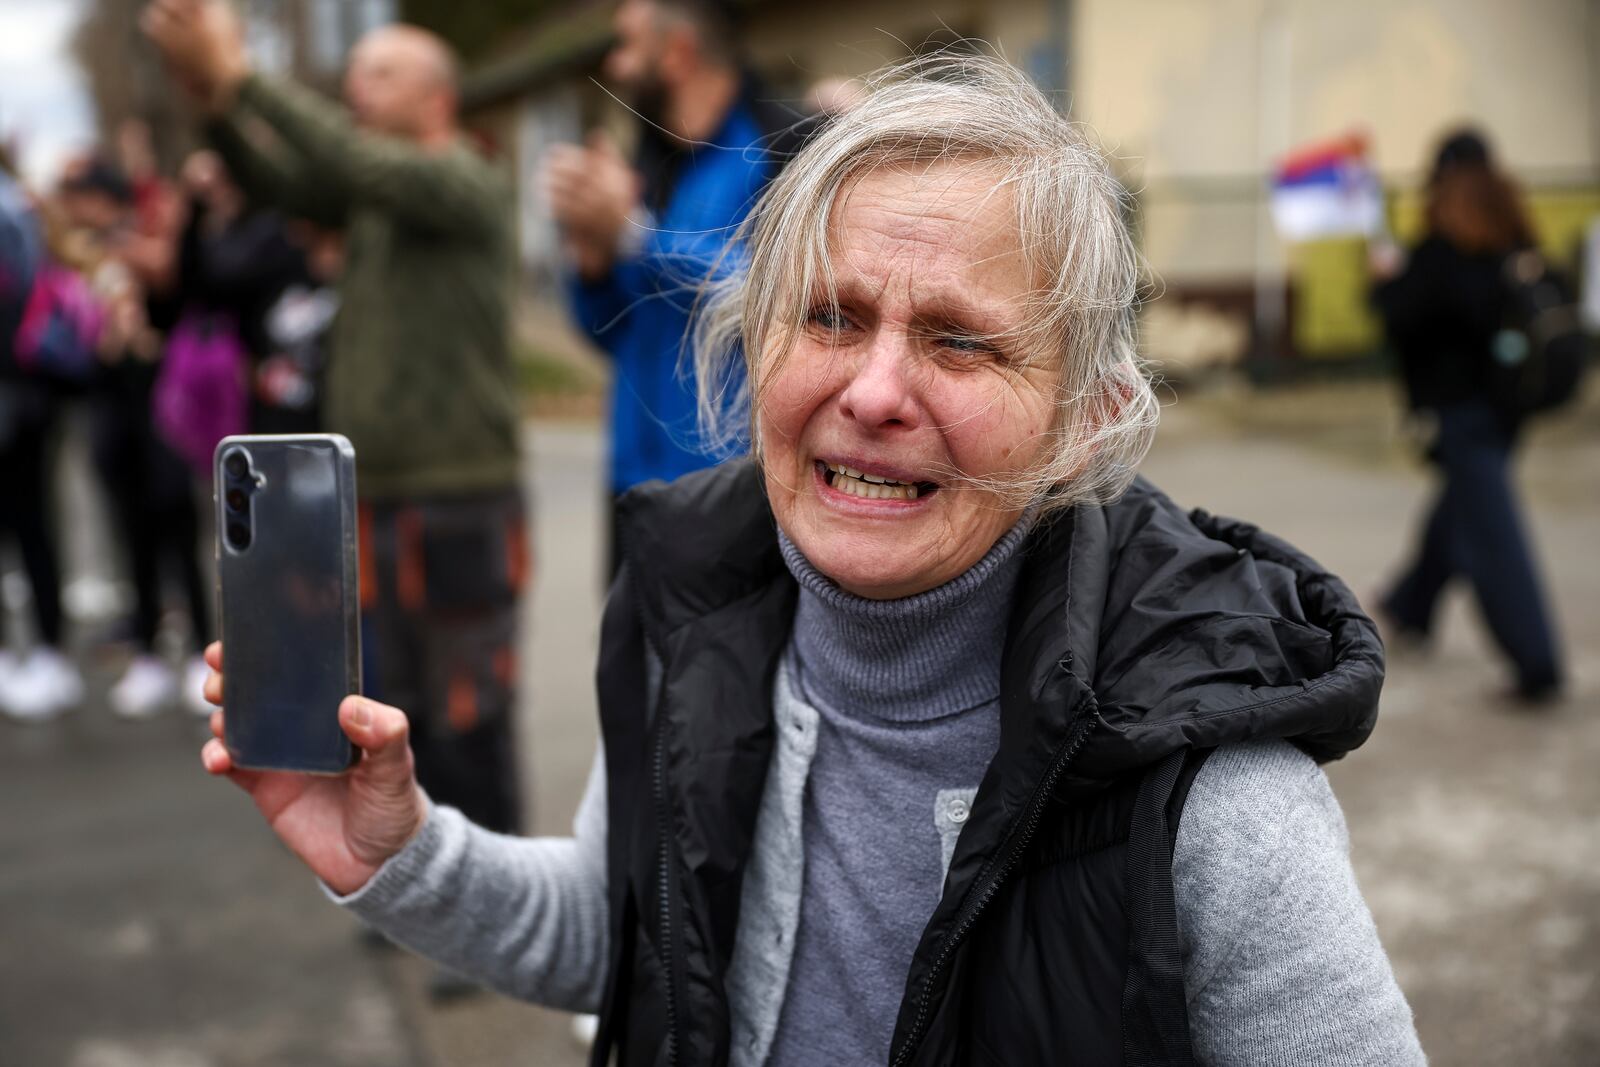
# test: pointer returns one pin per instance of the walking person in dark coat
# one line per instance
(1443, 311)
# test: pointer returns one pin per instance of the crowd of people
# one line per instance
(349, 268)
(172, 310)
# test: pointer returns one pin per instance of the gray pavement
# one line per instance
(148, 919)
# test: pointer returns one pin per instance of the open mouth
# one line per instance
(852, 482)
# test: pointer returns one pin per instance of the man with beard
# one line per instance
(420, 378)
(639, 238)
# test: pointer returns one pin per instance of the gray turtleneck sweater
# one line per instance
(885, 716)
(907, 701)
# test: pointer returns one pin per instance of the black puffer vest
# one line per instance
(1141, 639)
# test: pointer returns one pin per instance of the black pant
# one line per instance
(440, 580)
(152, 498)
(27, 418)
(1476, 532)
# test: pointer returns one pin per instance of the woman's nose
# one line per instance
(881, 392)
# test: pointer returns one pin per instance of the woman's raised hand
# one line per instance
(343, 828)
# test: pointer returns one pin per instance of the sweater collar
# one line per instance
(911, 659)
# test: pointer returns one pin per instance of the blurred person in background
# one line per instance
(150, 246)
(235, 259)
(154, 514)
(639, 237)
(422, 380)
(296, 334)
(42, 682)
(1443, 307)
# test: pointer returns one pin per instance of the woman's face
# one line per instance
(914, 375)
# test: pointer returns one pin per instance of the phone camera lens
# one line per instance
(237, 501)
(235, 464)
(239, 535)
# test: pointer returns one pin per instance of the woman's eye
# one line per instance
(970, 345)
(827, 318)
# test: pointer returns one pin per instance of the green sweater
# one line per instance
(420, 376)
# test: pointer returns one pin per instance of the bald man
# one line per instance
(420, 376)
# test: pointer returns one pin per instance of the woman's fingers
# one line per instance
(214, 756)
(212, 690)
(216, 724)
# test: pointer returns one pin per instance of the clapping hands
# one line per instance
(592, 191)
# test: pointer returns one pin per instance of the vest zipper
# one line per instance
(658, 785)
(1001, 869)
(664, 886)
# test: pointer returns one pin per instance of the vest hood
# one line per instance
(1196, 631)
(1181, 629)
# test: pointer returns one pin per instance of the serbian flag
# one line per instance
(1327, 190)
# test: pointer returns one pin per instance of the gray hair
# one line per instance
(972, 110)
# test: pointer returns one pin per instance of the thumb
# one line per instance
(382, 732)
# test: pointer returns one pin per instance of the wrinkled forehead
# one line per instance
(950, 227)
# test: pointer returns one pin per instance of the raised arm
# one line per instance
(271, 173)
(623, 254)
(1282, 962)
(427, 181)
(445, 190)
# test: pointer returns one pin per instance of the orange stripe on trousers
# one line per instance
(367, 561)
(410, 579)
(462, 703)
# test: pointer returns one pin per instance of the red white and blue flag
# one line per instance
(1327, 190)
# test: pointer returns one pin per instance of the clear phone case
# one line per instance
(288, 572)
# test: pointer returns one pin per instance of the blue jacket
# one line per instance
(640, 313)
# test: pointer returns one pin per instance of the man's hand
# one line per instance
(592, 191)
(202, 42)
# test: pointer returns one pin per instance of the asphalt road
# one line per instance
(148, 919)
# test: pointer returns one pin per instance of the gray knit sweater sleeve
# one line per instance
(1282, 960)
(524, 916)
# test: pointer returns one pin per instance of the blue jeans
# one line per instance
(1476, 531)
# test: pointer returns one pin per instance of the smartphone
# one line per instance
(287, 575)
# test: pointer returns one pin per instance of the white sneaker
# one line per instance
(40, 686)
(584, 1030)
(146, 688)
(195, 673)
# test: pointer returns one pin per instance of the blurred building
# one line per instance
(1198, 100)
(310, 38)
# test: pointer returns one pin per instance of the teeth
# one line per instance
(869, 487)
(853, 473)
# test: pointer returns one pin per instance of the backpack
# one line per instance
(199, 396)
(61, 324)
(1540, 351)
